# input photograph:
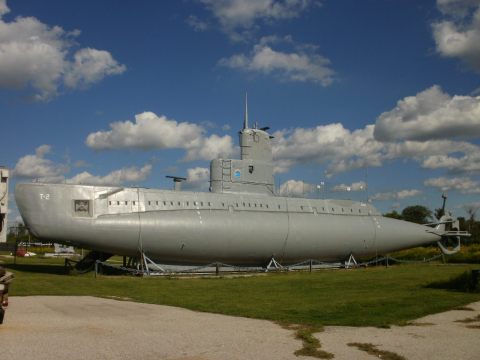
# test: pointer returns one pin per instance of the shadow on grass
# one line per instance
(465, 282)
(39, 268)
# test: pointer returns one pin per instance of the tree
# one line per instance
(418, 214)
(394, 215)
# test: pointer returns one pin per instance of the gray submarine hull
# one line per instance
(199, 228)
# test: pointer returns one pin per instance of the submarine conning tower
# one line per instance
(253, 173)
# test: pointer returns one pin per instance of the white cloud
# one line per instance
(420, 150)
(459, 35)
(150, 131)
(3, 8)
(418, 128)
(469, 162)
(91, 66)
(238, 17)
(398, 195)
(38, 167)
(296, 66)
(330, 144)
(295, 188)
(209, 148)
(356, 186)
(36, 56)
(457, 8)
(198, 175)
(431, 114)
(196, 24)
(116, 177)
(463, 184)
(198, 178)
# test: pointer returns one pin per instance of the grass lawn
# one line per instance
(376, 296)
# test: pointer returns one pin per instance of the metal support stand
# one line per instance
(351, 262)
(146, 261)
(274, 264)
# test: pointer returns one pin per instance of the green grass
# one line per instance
(468, 254)
(376, 296)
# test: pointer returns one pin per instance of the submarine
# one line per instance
(241, 221)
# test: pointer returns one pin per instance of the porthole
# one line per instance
(132, 202)
(126, 203)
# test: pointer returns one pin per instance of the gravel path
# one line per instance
(437, 336)
(54, 327)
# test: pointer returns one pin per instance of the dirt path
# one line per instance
(54, 327)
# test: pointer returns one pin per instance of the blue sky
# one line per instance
(382, 97)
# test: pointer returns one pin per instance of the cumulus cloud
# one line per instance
(196, 24)
(463, 184)
(330, 144)
(116, 177)
(298, 65)
(150, 131)
(356, 186)
(458, 34)
(398, 195)
(295, 188)
(35, 56)
(420, 150)
(198, 178)
(238, 17)
(38, 167)
(3, 8)
(90, 66)
(468, 163)
(430, 114)
(429, 128)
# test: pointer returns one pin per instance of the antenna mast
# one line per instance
(245, 119)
